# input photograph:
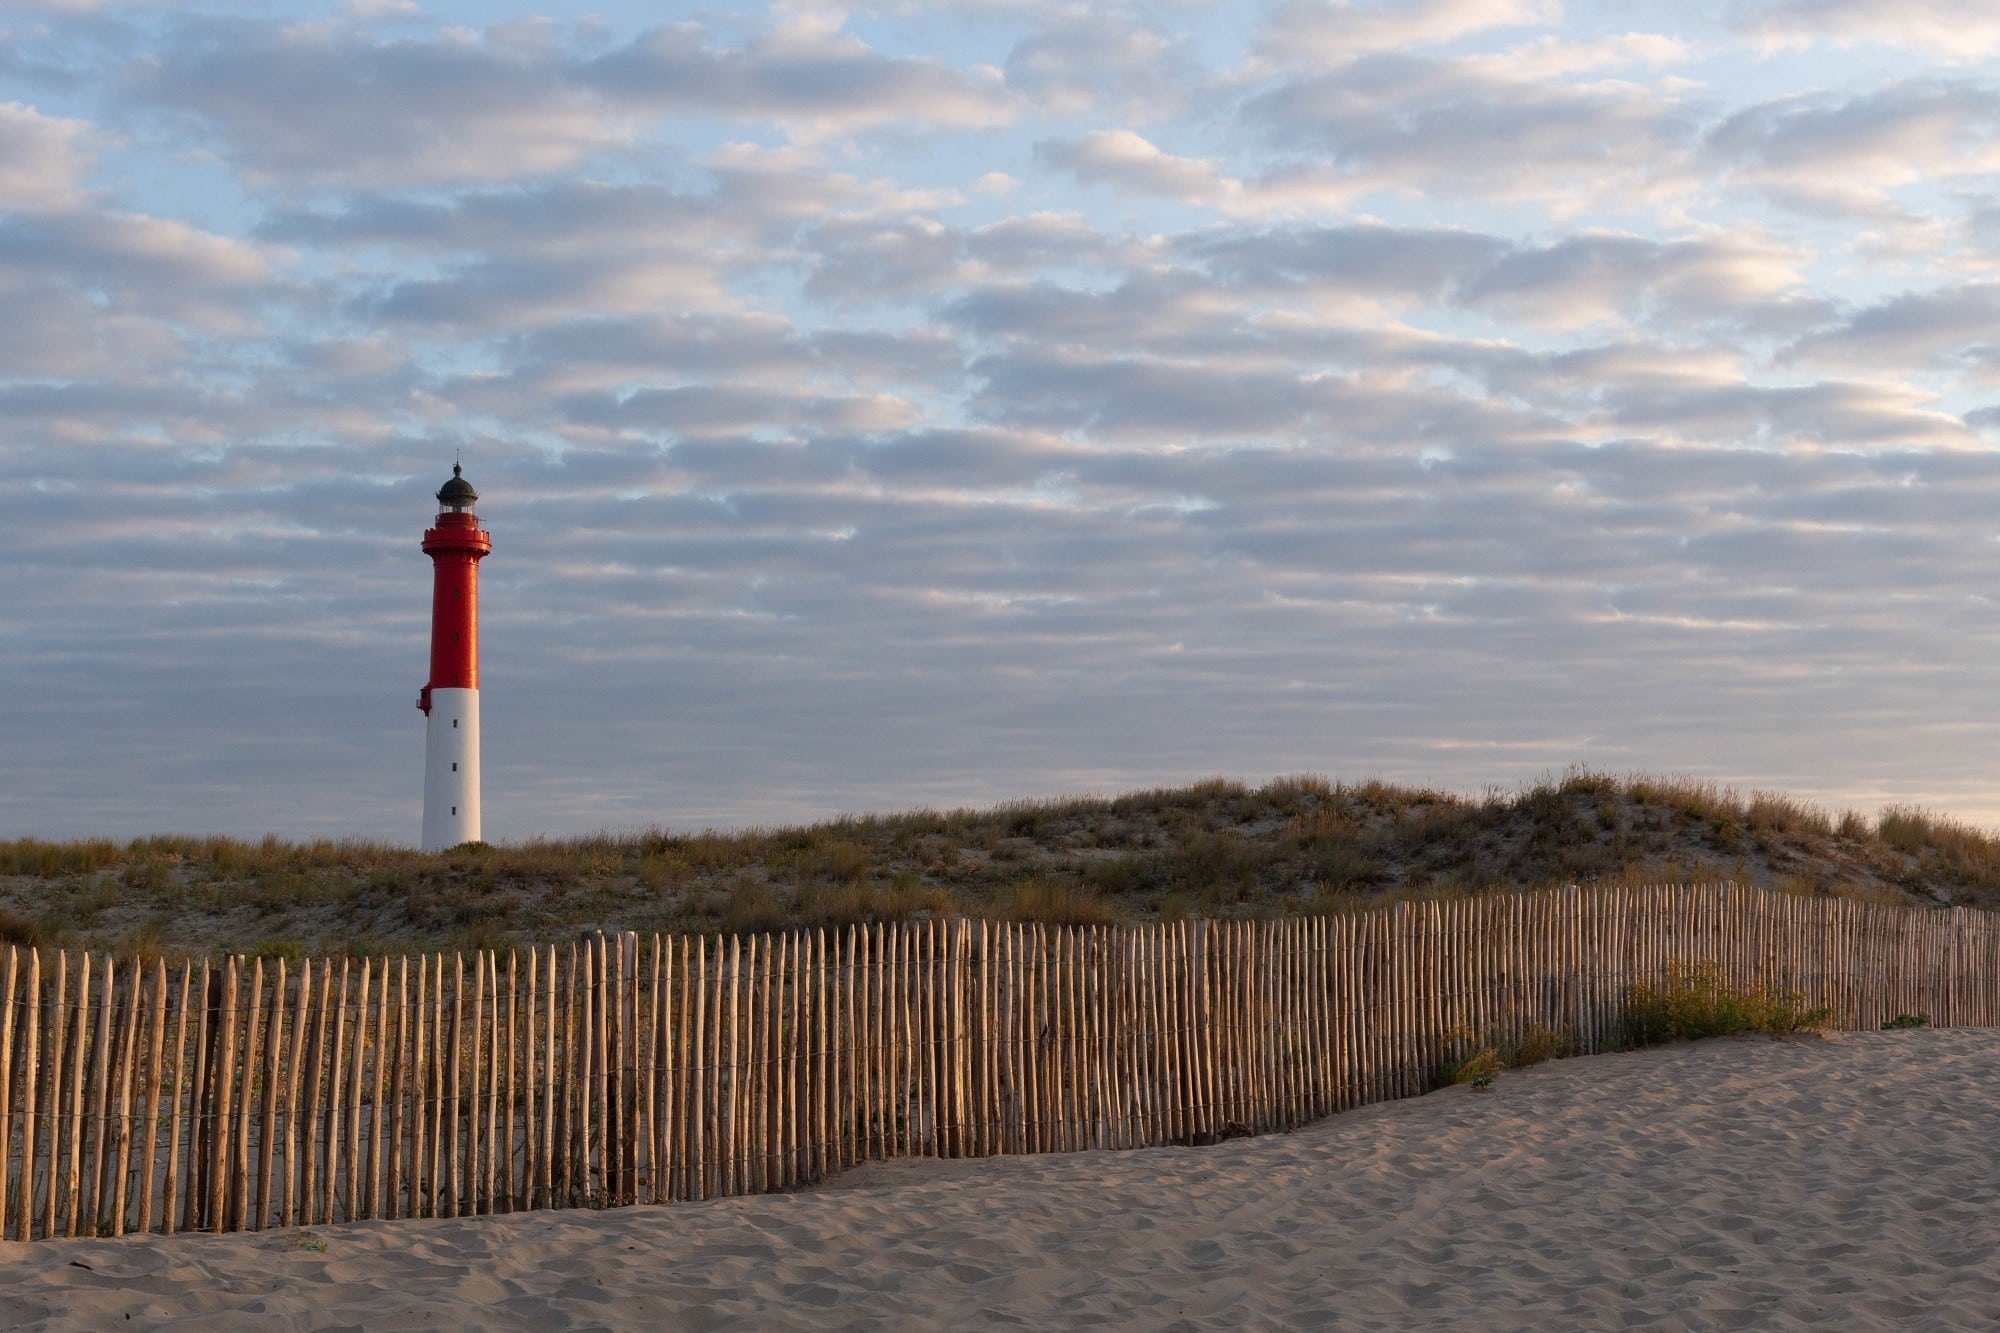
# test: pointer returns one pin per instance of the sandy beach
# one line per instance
(1852, 1181)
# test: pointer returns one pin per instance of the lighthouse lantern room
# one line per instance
(450, 701)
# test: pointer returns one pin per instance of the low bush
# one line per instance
(1056, 902)
(1539, 1044)
(47, 860)
(754, 910)
(1118, 875)
(1485, 1058)
(1695, 1002)
(864, 901)
(1477, 1068)
(18, 929)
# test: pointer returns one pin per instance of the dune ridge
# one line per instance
(1297, 845)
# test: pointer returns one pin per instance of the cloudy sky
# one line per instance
(934, 403)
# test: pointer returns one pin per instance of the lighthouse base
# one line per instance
(451, 769)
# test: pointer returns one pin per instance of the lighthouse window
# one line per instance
(454, 724)
(454, 768)
(454, 809)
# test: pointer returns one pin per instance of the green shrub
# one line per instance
(149, 875)
(1694, 1002)
(1117, 875)
(1057, 902)
(862, 901)
(836, 861)
(1024, 819)
(1294, 788)
(93, 900)
(1771, 812)
(1221, 864)
(1907, 1021)
(1344, 867)
(753, 910)
(1907, 831)
(1539, 1044)
(142, 944)
(31, 856)
(1477, 1068)
(18, 929)
(1485, 1058)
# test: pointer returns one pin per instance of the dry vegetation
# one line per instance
(1689, 1003)
(1216, 849)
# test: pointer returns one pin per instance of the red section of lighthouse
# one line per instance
(456, 545)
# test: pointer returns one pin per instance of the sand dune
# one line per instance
(1852, 1182)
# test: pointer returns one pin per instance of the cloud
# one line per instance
(509, 257)
(803, 73)
(43, 160)
(706, 410)
(90, 292)
(119, 296)
(1140, 310)
(790, 185)
(1320, 31)
(342, 105)
(1846, 155)
(1955, 329)
(1085, 62)
(1128, 161)
(1825, 414)
(1597, 276)
(337, 105)
(1552, 57)
(1482, 129)
(1955, 30)
(868, 258)
(877, 259)
(142, 261)
(1740, 281)
(1162, 400)
(1406, 263)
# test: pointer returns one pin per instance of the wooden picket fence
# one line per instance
(252, 1093)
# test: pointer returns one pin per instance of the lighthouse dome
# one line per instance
(457, 493)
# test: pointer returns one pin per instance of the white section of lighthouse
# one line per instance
(450, 701)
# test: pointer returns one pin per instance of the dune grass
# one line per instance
(1217, 848)
(1694, 1002)
(1478, 1064)
(1689, 1003)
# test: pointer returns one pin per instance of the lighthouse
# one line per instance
(450, 701)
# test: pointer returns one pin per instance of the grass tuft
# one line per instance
(1691, 1003)
(1057, 902)
(18, 929)
(1477, 1068)
(1482, 1060)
